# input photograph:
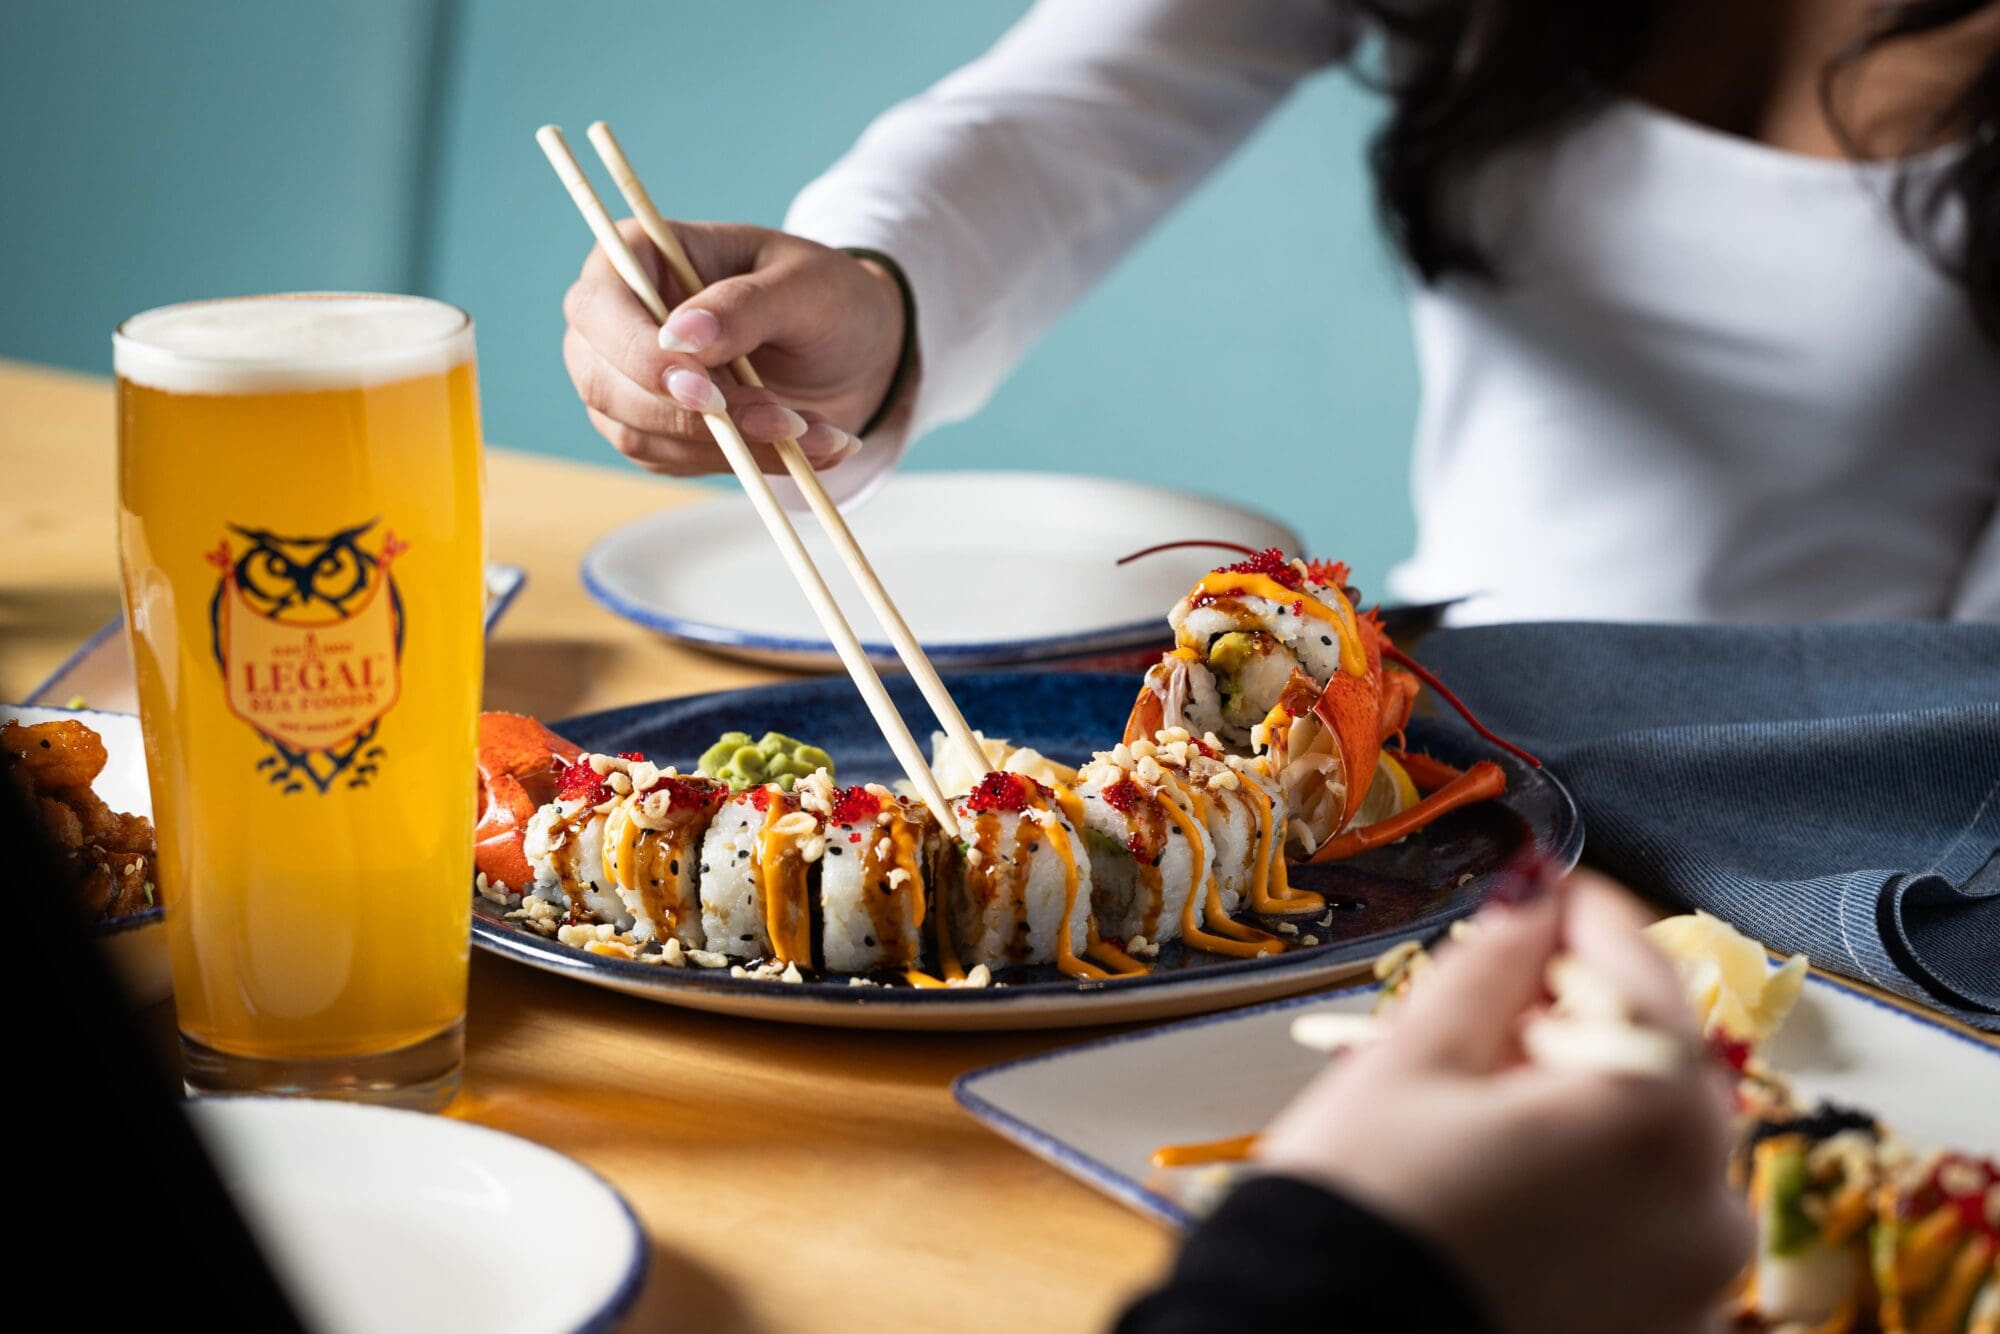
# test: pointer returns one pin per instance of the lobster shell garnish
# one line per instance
(518, 761)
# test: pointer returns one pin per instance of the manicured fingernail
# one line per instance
(1523, 881)
(689, 331)
(691, 389)
(793, 425)
(850, 445)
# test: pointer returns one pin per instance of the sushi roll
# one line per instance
(1253, 625)
(1019, 889)
(652, 852)
(881, 852)
(757, 860)
(1143, 866)
(1182, 838)
(564, 842)
(1937, 1246)
(1812, 1182)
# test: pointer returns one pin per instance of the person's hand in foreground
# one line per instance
(1569, 1200)
(824, 329)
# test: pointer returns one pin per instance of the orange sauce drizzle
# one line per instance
(1066, 961)
(1353, 657)
(1234, 1149)
(1271, 860)
(1204, 876)
(628, 874)
(781, 884)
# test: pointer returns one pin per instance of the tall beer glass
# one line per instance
(299, 516)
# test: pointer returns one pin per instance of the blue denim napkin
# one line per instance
(1832, 790)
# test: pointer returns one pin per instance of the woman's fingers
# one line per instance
(1466, 1013)
(1604, 928)
(655, 430)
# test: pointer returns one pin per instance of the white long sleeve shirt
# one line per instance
(1714, 383)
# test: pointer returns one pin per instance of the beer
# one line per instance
(300, 523)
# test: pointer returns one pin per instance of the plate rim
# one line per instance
(622, 1296)
(1132, 634)
(661, 984)
(1062, 1155)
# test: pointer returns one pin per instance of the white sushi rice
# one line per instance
(1008, 906)
(870, 904)
(564, 844)
(669, 861)
(732, 912)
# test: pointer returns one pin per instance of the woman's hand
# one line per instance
(825, 331)
(1572, 1201)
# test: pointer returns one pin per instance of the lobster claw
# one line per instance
(1352, 709)
(518, 761)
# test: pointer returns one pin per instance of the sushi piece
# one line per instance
(1019, 890)
(757, 860)
(881, 855)
(564, 842)
(1812, 1183)
(1241, 634)
(1172, 825)
(652, 852)
(1936, 1247)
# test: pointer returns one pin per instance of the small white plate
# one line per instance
(379, 1220)
(987, 567)
(1098, 1110)
(136, 944)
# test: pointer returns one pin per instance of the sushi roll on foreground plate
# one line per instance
(881, 855)
(564, 842)
(1019, 890)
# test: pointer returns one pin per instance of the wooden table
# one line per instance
(789, 1178)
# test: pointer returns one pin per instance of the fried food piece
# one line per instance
(108, 855)
(60, 823)
(119, 884)
(60, 754)
(104, 827)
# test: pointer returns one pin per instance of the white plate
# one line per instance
(135, 944)
(988, 568)
(1099, 1110)
(378, 1220)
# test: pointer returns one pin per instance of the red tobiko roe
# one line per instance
(854, 805)
(688, 793)
(1004, 792)
(1733, 1053)
(760, 796)
(580, 782)
(1123, 795)
(1271, 563)
(635, 756)
(1136, 845)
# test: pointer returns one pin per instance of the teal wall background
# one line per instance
(164, 152)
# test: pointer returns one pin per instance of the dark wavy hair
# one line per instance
(1475, 76)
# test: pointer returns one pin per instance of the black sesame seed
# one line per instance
(868, 941)
(1034, 848)
(1327, 640)
(47, 744)
(747, 936)
(743, 855)
(673, 868)
(704, 868)
(833, 849)
(656, 881)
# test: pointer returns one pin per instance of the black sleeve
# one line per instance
(1281, 1253)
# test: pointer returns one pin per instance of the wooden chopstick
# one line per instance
(768, 509)
(915, 660)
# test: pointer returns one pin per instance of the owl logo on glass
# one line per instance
(308, 632)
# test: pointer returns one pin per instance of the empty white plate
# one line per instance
(379, 1220)
(1099, 1110)
(987, 567)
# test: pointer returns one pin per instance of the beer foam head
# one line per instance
(275, 344)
